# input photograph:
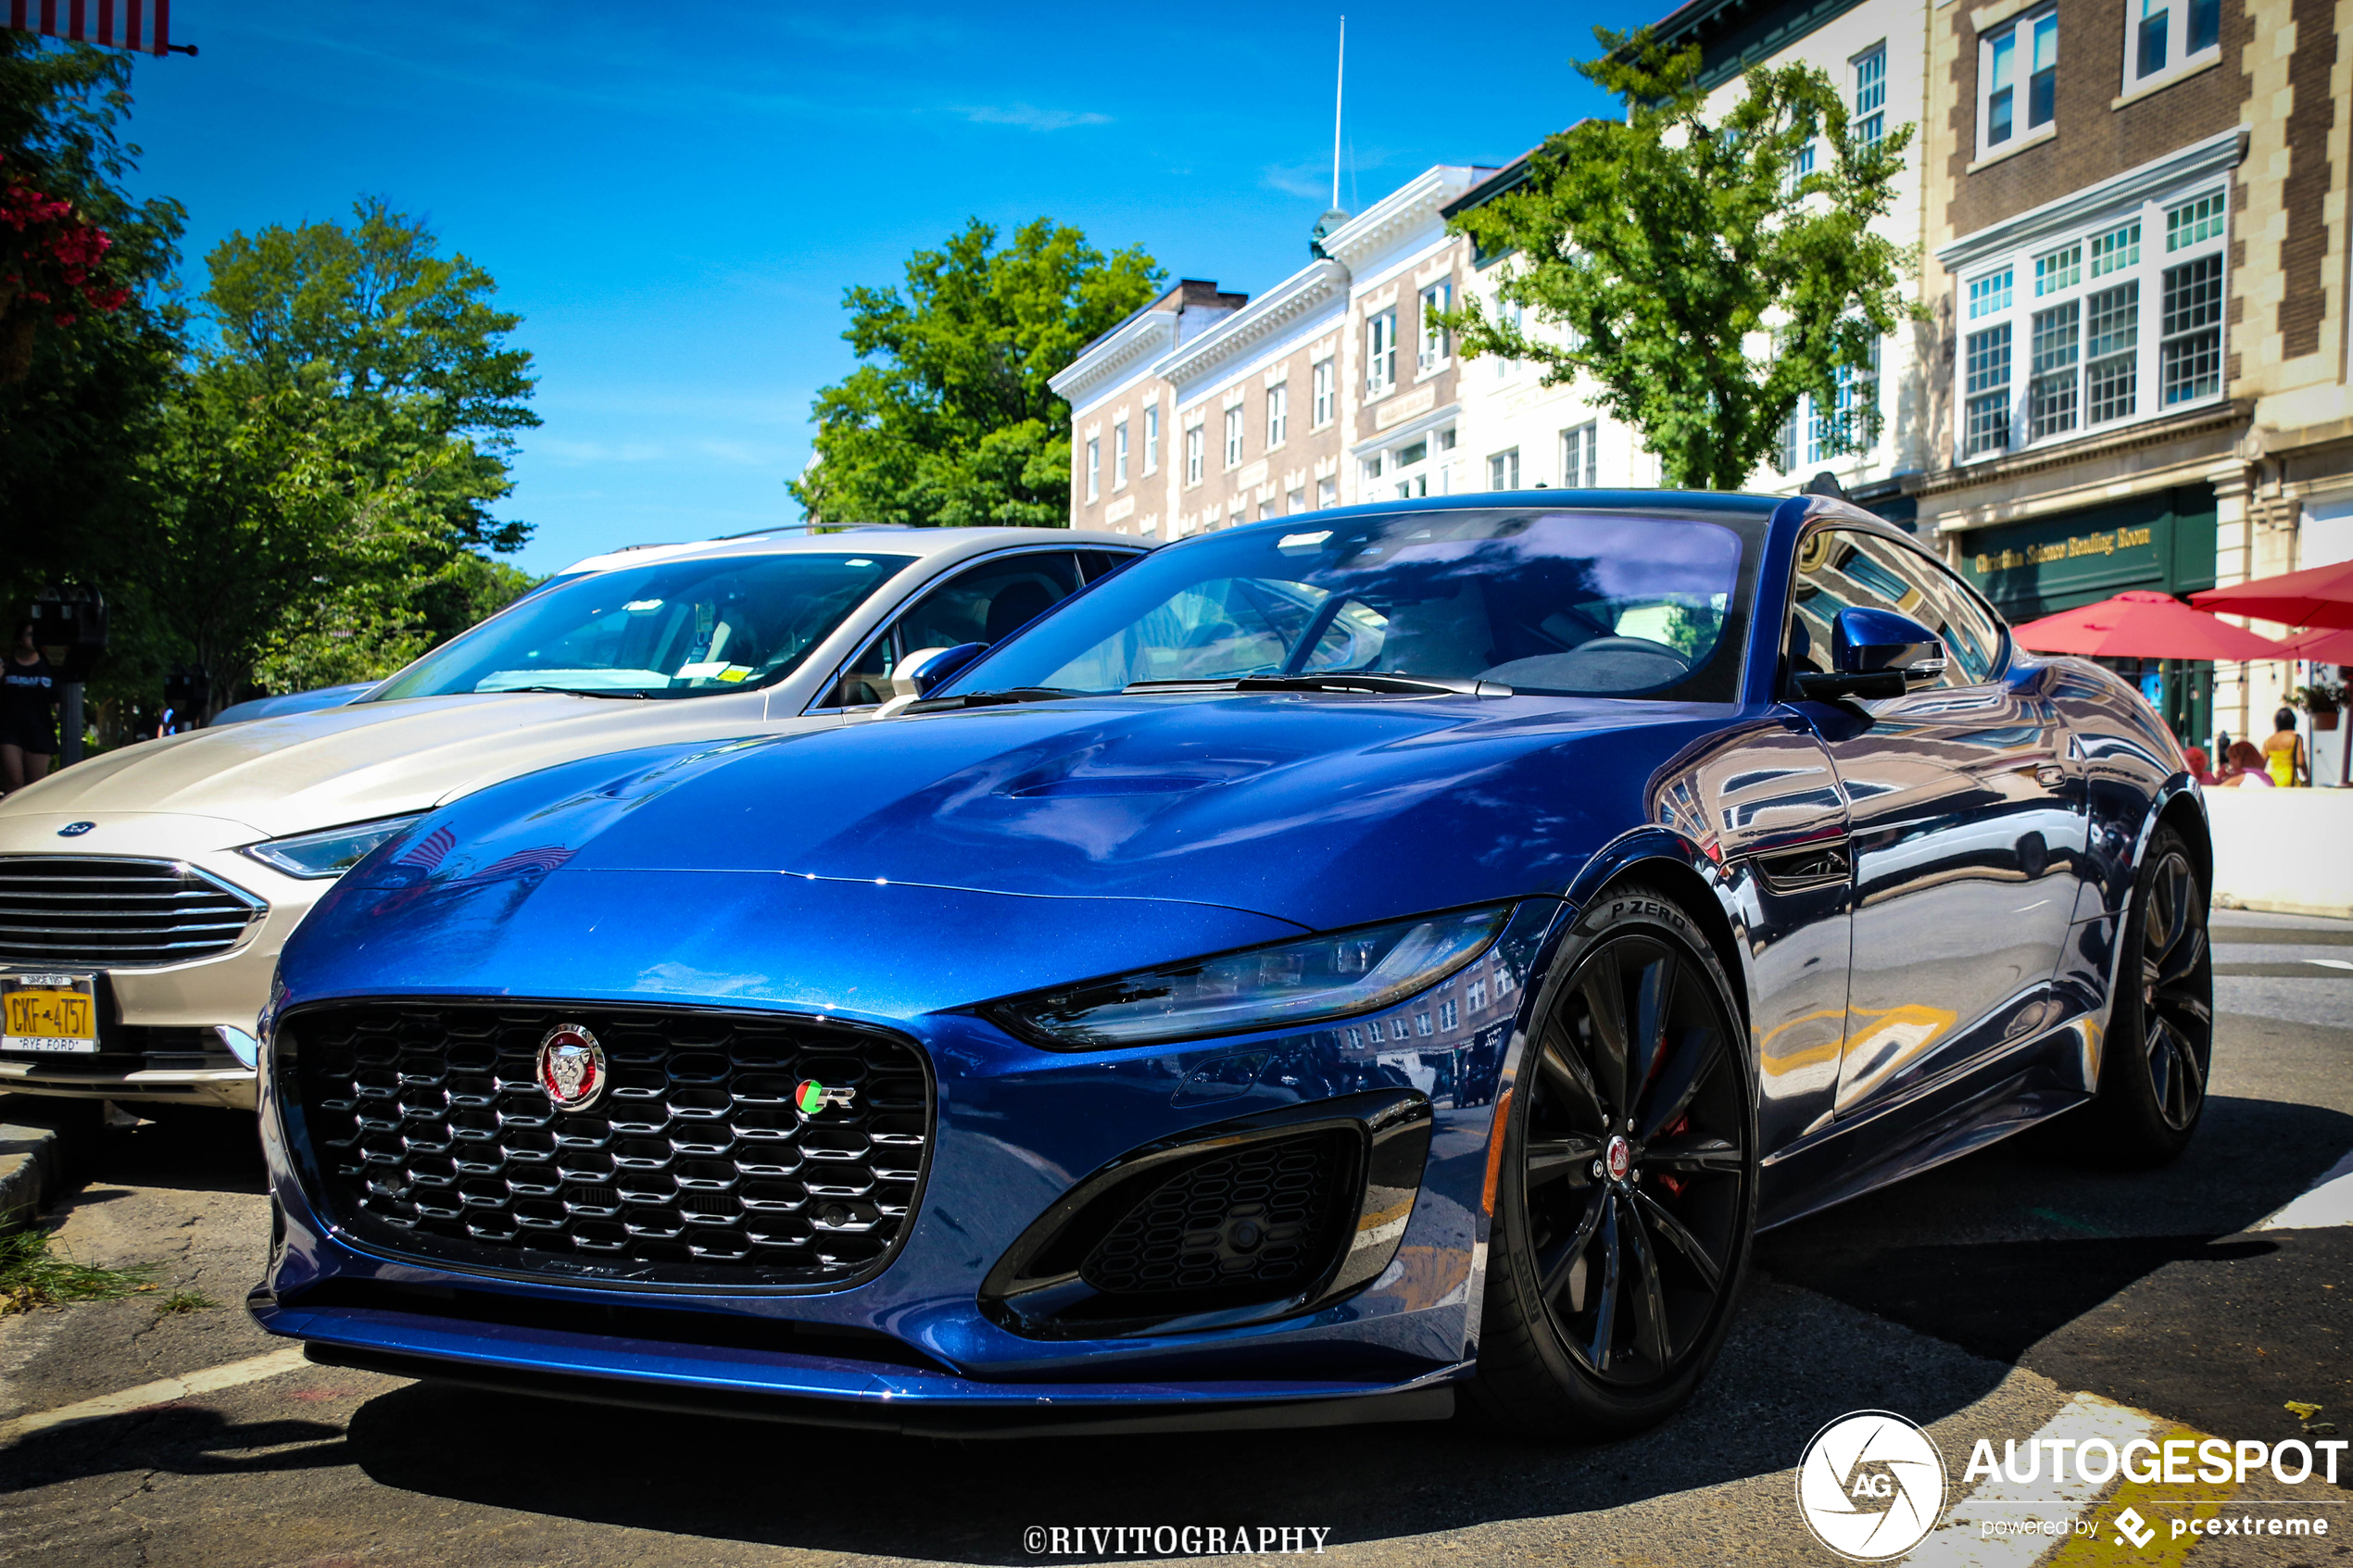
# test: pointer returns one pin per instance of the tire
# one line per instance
(1667, 1223)
(2161, 1026)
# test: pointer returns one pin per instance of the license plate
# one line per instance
(48, 1013)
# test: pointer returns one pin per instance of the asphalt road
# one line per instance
(1977, 1300)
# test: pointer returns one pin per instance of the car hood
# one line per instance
(1321, 810)
(304, 770)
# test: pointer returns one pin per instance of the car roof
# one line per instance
(881, 539)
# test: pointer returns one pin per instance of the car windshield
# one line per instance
(671, 629)
(1561, 602)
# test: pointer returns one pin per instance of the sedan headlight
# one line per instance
(328, 852)
(1349, 972)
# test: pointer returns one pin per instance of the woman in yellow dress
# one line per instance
(2284, 756)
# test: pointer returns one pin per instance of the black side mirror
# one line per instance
(1876, 653)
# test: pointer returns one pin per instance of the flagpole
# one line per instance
(1340, 77)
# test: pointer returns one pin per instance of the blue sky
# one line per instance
(675, 196)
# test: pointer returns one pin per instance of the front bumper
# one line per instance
(917, 1346)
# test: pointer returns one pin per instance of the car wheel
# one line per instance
(2160, 1028)
(1626, 1193)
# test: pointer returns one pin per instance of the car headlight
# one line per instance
(328, 852)
(1349, 972)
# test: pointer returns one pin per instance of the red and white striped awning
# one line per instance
(141, 25)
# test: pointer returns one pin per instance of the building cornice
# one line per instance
(2210, 156)
(2155, 433)
(1115, 359)
(1279, 307)
(1418, 202)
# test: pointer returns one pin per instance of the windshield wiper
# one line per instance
(568, 691)
(1331, 681)
(994, 699)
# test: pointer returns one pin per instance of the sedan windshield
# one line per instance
(1559, 603)
(671, 628)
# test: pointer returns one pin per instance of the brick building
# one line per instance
(2136, 257)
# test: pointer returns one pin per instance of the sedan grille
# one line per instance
(423, 1130)
(116, 913)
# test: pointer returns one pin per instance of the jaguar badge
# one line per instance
(572, 1067)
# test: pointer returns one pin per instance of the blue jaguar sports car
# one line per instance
(1327, 968)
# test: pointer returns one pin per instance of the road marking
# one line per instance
(2332, 963)
(1962, 1542)
(164, 1392)
(2156, 1505)
(2328, 1201)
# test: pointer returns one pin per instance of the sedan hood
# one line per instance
(1318, 811)
(304, 770)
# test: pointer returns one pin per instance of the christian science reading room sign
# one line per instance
(2164, 541)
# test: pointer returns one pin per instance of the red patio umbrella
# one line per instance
(2331, 644)
(2140, 624)
(2319, 596)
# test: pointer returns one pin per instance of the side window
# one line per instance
(1099, 564)
(984, 604)
(1840, 569)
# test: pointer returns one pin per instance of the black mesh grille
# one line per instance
(90, 909)
(1259, 1220)
(424, 1130)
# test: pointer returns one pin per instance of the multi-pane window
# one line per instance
(2166, 38)
(1233, 436)
(2111, 357)
(1989, 295)
(1988, 390)
(1870, 96)
(1508, 314)
(1502, 471)
(1380, 352)
(2063, 268)
(2116, 250)
(1799, 167)
(1845, 426)
(1152, 439)
(2193, 223)
(2051, 390)
(1436, 341)
(1582, 456)
(1448, 1013)
(2092, 361)
(1278, 414)
(1194, 442)
(1119, 455)
(2018, 79)
(1326, 493)
(2189, 343)
(1295, 501)
(1094, 469)
(1323, 393)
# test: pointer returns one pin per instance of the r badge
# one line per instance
(572, 1067)
(811, 1098)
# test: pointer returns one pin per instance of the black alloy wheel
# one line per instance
(2160, 1035)
(1628, 1195)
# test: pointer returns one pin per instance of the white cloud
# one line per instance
(1031, 118)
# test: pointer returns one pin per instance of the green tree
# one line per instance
(328, 462)
(950, 421)
(80, 384)
(1700, 278)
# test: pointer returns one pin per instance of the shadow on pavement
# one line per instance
(970, 1502)
(184, 1148)
(185, 1439)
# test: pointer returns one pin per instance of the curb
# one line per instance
(30, 1163)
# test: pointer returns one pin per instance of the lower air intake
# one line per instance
(1259, 1221)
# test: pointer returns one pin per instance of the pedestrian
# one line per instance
(2283, 754)
(28, 713)
(2244, 766)
(2195, 756)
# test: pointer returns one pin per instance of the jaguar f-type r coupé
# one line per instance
(1328, 967)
